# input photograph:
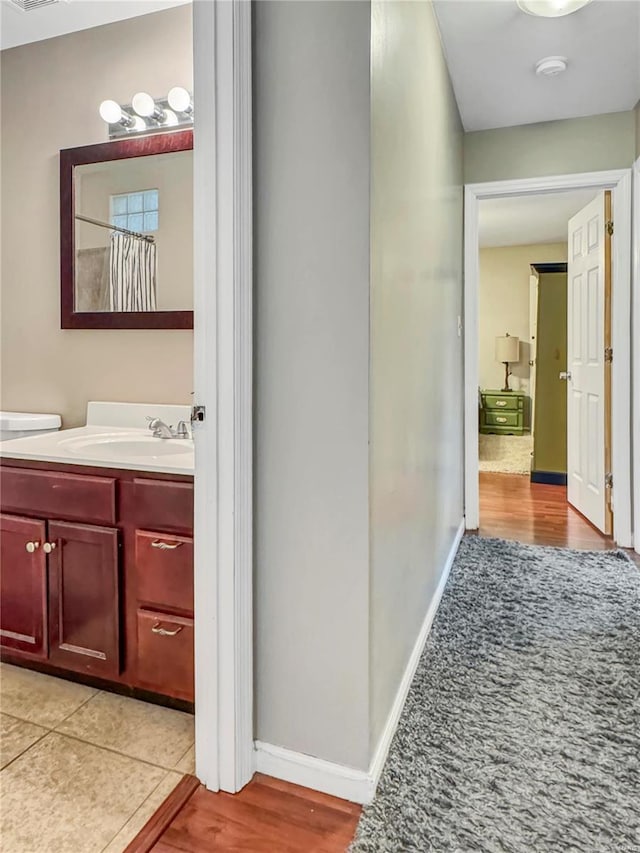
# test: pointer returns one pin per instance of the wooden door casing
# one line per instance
(84, 611)
(23, 586)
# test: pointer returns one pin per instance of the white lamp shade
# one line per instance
(508, 349)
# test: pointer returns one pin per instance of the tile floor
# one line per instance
(82, 770)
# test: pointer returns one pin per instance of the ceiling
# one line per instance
(492, 47)
(67, 16)
(528, 220)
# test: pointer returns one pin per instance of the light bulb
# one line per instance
(144, 105)
(111, 112)
(179, 99)
(170, 118)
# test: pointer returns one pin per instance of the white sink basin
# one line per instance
(115, 446)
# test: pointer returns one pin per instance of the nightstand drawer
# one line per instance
(502, 419)
(505, 402)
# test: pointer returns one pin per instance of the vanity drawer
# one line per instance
(68, 497)
(502, 419)
(164, 570)
(165, 654)
(163, 504)
(504, 402)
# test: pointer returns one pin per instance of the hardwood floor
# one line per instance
(512, 507)
(267, 816)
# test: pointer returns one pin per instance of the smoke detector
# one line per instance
(32, 5)
(551, 66)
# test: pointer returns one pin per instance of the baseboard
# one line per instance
(310, 772)
(382, 750)
(549, 478)
(359, 786)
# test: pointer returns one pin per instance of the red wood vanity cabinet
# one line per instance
(96, 574)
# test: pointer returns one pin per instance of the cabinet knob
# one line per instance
(32, 547)
(48, 547)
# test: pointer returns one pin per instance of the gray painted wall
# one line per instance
(416, 457)
(637, 121)
(311, 85)
(551, 148)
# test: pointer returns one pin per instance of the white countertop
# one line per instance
(120, 443)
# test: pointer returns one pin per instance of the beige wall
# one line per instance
(504, 307)
(311, 203)
(50, 96)
(551, 148)
(416, 355)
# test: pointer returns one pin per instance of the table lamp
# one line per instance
(508, 352)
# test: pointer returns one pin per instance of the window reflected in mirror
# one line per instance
(134, 234)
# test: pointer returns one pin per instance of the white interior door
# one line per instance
(533, 342)
(587, 379)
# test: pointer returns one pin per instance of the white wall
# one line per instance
(311, 199)
(551, 148)
(416, 355)
(504, 307)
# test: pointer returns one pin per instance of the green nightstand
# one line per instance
(502, 412)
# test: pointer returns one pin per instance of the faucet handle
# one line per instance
(182, 430)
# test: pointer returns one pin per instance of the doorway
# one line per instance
(593, 183)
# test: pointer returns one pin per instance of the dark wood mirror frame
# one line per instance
(142, 146)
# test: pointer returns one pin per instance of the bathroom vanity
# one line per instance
(97, 559)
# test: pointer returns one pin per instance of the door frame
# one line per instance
(636, 354)
(619, 181)
(223, 383)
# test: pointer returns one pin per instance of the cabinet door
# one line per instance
(84, 619)
(23, 586)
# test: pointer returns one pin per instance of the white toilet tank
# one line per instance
(19, 424)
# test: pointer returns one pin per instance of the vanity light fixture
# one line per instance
(551, 8)
(146, 114)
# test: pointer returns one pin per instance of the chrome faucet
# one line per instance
(162, 430)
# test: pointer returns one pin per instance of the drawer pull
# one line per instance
(501, 403)
(165, 546)
(501, 420)
(158, 629)
(48, 547)
(32, 547)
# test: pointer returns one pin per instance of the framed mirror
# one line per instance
(126, 233)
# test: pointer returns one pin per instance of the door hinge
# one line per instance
(608, 480)
(198, 414)
(608, 354)
(609, 226)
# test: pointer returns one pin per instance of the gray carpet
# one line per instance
(521, 732)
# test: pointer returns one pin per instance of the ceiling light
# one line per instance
(551, 66)
(551, 8)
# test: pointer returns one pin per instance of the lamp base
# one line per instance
(507, 374)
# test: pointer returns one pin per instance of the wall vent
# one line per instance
(32, 5)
